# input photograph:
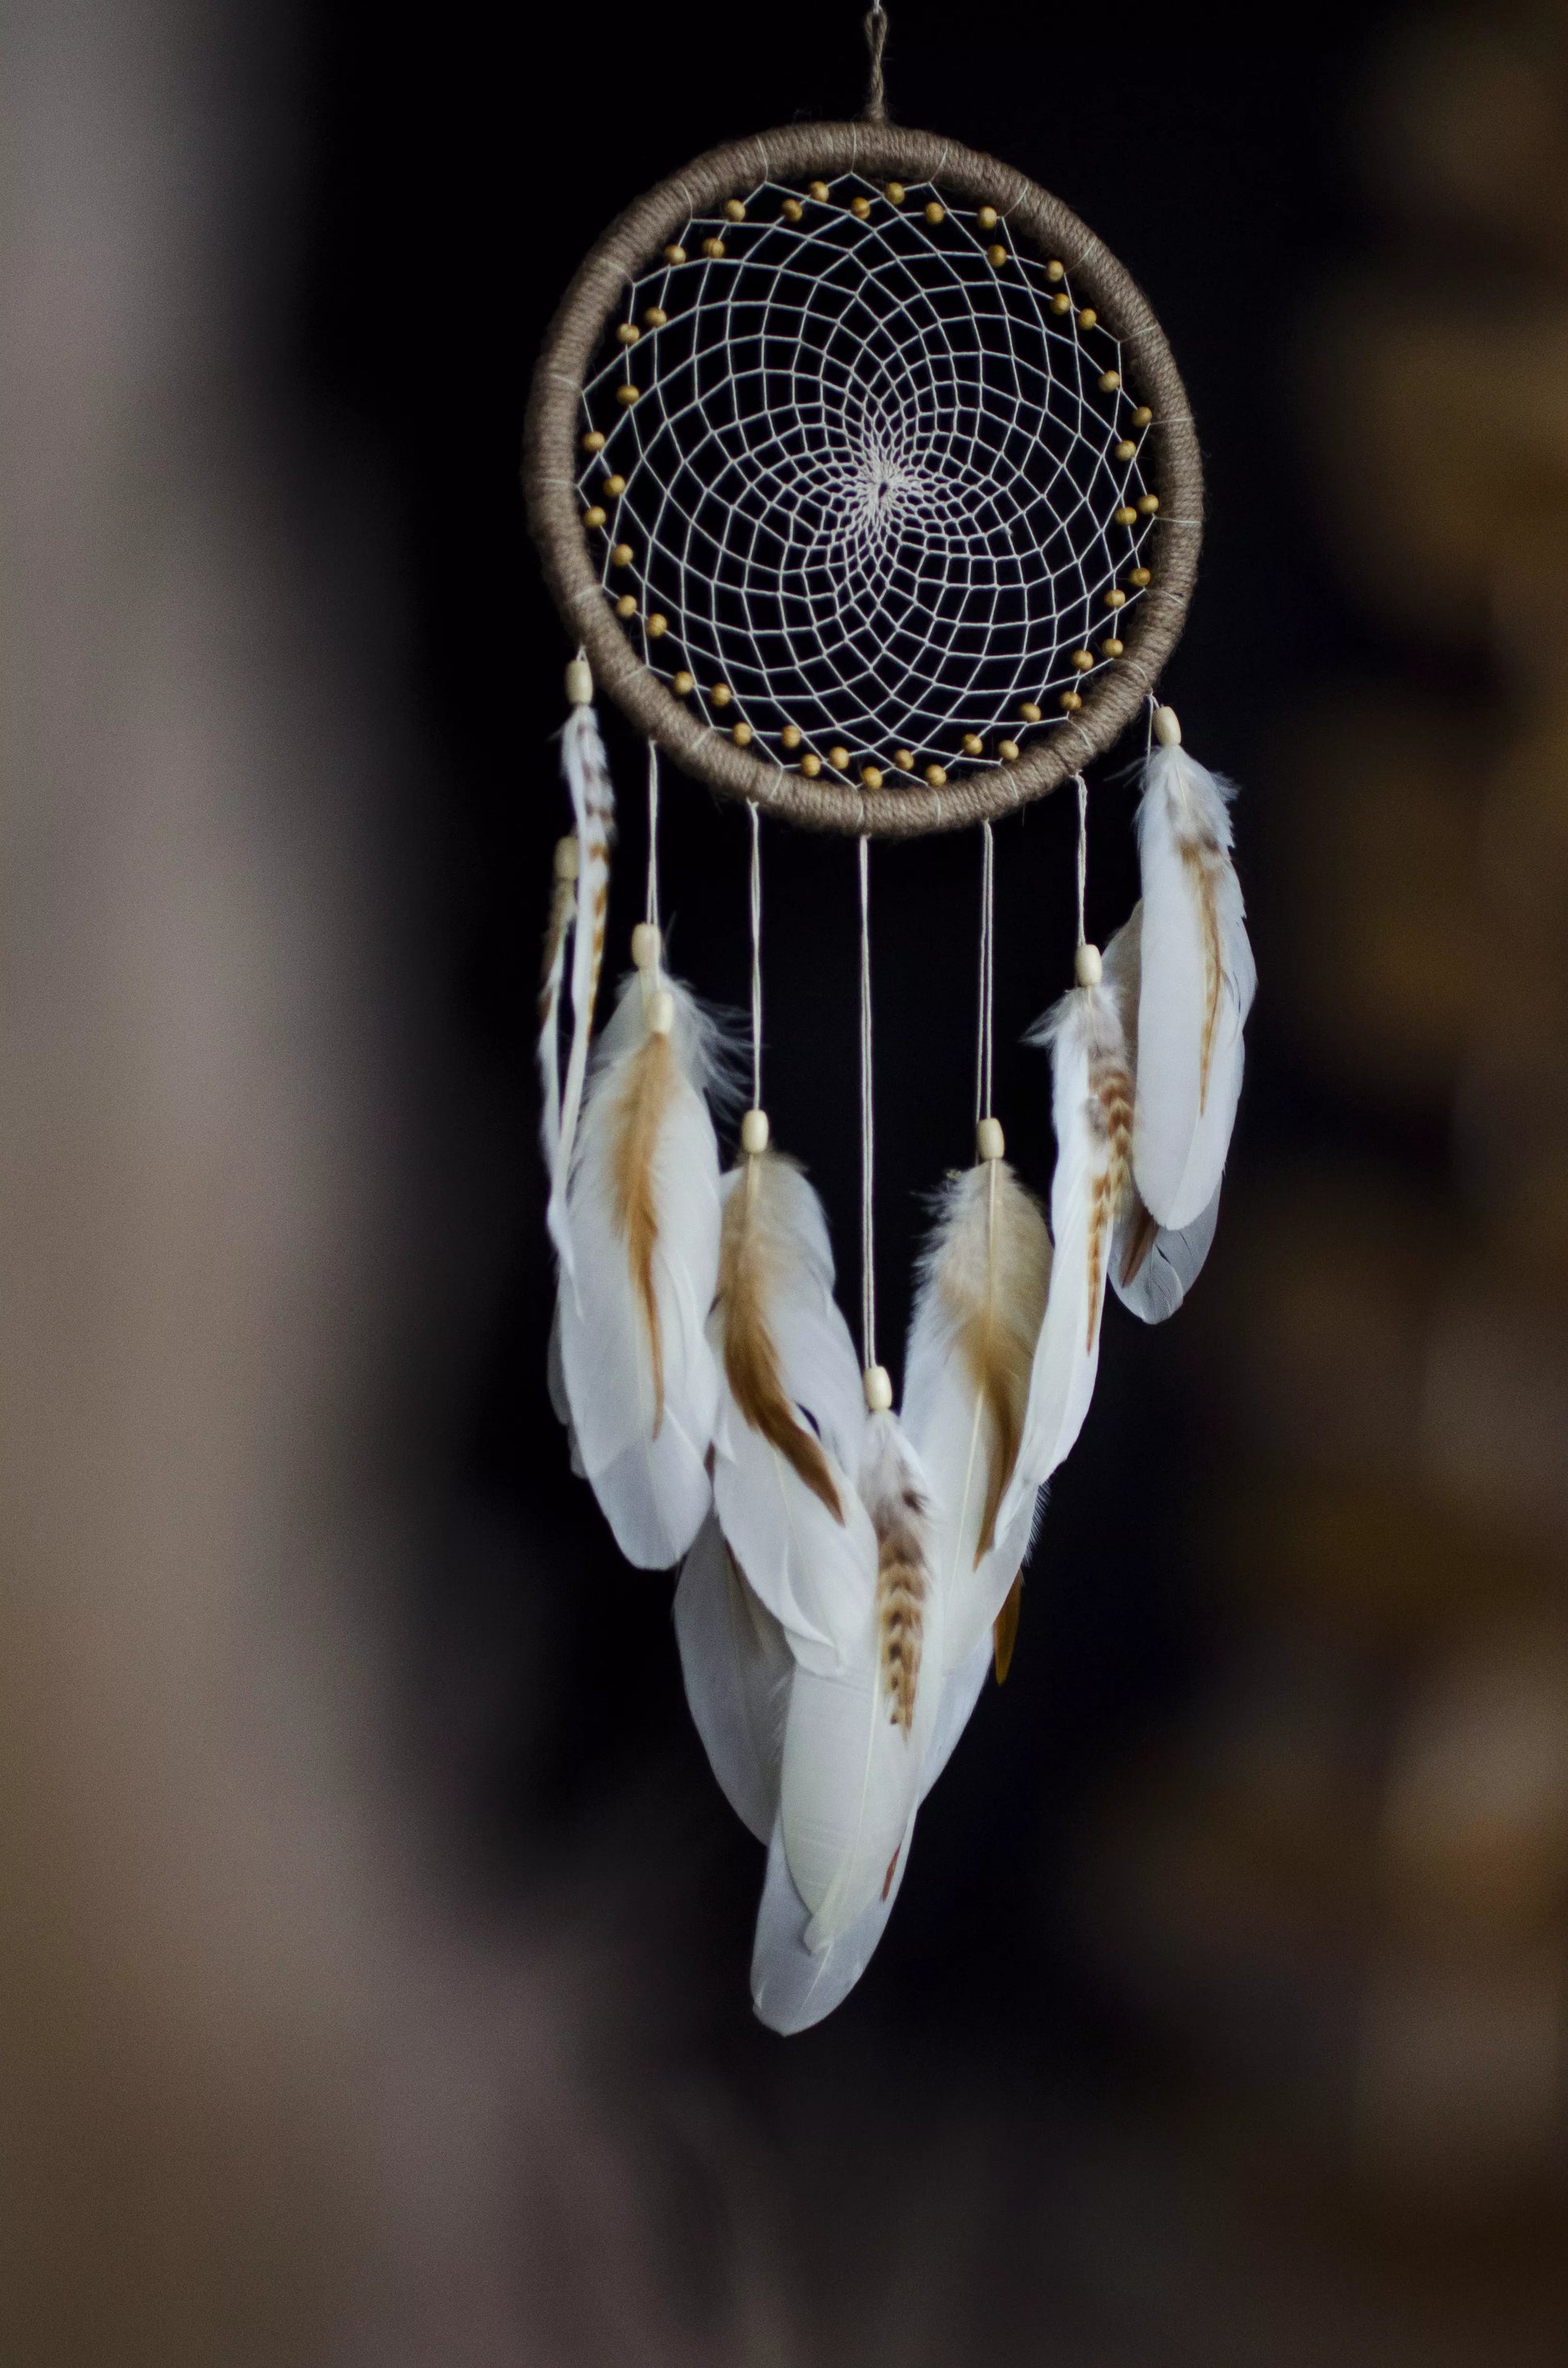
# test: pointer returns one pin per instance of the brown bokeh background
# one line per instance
(373, 1969)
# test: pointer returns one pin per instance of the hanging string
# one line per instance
(987, 1031)
(868, 1128)
(755, 956)
(1082, 848)
(651, 912)
(877, 41)
(1149, 724)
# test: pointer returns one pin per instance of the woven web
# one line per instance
(881, 486)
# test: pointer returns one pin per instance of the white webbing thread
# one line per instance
(755, 956)
(868, 1128)
(1083, 848)
(986, 1029)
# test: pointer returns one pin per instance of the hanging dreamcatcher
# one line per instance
(866, 484)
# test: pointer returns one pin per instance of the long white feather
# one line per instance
(593, 806)
(1092, 1110)
(1152, 1266)
(984, 1282)
(792, 1417)
(738, 1667)
(641, 1384)
(1199, 980)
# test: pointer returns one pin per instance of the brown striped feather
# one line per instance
(899, 1519)
(645, 1099)
(997, 1315)
(1110, 1090)
(746, 1257)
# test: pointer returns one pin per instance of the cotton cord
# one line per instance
(651, 914)
(755, 958)
(1083, 848)
(877, 41)
(985, 1034)
(868, 1128)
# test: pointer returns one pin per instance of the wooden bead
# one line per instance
(894, 193)
(996, 257)
(1109, 381)
(1127, 515)
(1071, 702)
(1148, 504)
(973, 745)
(675, 255)
(628, 333)
(986, 217)
(733, 210)
(819, 191)
(937, 776)
(936, 213)
(838, 757)
(626, 605)
(741, 735)
(1053, 270)
(1111, 646)
(1088, 317)
(1062, 302)
(614, 487)
(811, 765)
(879, 1389)
(989, 1141)
(654, 317)
(792, 209)
(1138, 576)
(683, 683)
(713, 247)
(579, 683)
(1126, 448)
(661, 1012)
(1116, 599)
(790, 736)
(905, 759)
(646, 946)
(720, 694)
(592, 441)
(627, 395)
(1142, 415)
(755, 1131)
(568, 858)
(622, 555)
(1088, 967)
(872, 776)
(1167, 727)
(1028, 712)
(860, 206)
(1008, 751)
(657, 626)
(595, 516)
(1081, 660)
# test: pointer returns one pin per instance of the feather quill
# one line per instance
(1196, 987)
(639, 1380)
(983, 1284)
(1152, 1265)
(593, 806)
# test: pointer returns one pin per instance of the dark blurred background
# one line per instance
(374, 1985)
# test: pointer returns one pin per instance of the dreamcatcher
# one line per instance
(866, 484)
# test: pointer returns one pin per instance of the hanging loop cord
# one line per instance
(876, 42)
(647, 945)
(985, 1032)
(1087, 965)
(879, 1388)
(651, 913)
(753, 1125)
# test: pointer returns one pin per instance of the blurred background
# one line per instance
(374, 1973)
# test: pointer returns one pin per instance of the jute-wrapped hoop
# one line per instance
(799, 151)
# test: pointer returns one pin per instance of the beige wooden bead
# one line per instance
(755, 1131)
(720, 694)
(1142, 415)
(1148, 504)
(1167, 727)
(580, 683)
(626, 605)
(973, 745)
(1088, 317)
(1028, 712)
(996, 257)
(1116, 599)
(811, 765)
(713, 247)
(937, 776)
(792, 209)
(647, 945)
(628, 333)
(734, 211)
(1111, 646)
(860, 206)
(595, 516)
(1127, 515)
(615, 487)
(661, 1012)
(1138, 576)
(1008, 751)
(741, 735)
(1088, 967)
(872, 776)
(1054, 270)
(894, 193)
(1061, 302)
(905, 759)
(627, 395)
(1109, 381)
(819, 191)
(838, 757)
(1070, 701)
(568, 858)
(675, 255)
(622, 555)
(986, 217)
(592, 441)
(657, 625)
(989, 1140)
(1126, 448)
(1081, 660)
(879, 1389)
(654, 317)
(790, 736)
(936, 213)
(683, 683)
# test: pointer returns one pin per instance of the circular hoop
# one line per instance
(548, 479)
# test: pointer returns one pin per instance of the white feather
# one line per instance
(737, 1667)
(647, 1463)
(1198, 981)
(593, 806)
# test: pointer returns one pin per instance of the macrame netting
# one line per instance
(878, 493)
